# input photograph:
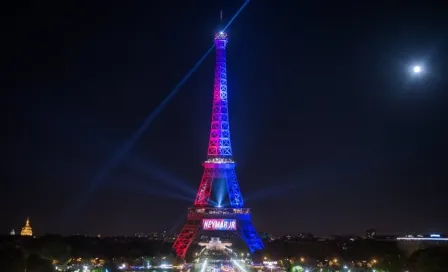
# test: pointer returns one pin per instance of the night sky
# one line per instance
(331, 132)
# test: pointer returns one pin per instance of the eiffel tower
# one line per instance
(219, 167)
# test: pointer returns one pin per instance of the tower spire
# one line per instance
(219, 145)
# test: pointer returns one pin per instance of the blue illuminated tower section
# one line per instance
(218, 166)
(219, 145)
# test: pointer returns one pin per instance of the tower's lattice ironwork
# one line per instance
(219, 165)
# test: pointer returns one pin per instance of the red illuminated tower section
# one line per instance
(219, 166)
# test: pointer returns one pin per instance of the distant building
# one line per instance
(370, 233)
(12, 232)
(411, 243)
(27, 230)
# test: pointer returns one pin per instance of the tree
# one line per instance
(12, 260)
(430, 260)
(391, 263)
(297, 268)
(35, 263)
(287, 265)
(54, 248)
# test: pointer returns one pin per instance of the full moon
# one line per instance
(417, 69)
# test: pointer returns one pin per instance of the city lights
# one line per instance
(239, 266)
(421, 239)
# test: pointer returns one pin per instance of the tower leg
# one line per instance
(233, 188)
(205, 188)
(187, 234)
(249, 235)
(184, 239)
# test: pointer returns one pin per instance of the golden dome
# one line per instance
(27, 230)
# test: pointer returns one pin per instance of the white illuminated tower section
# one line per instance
(219, 167)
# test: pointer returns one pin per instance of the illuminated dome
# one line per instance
(27, 230)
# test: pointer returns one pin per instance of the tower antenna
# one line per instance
(220, 15)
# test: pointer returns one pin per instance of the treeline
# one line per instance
(18, 253)
(383, 255)
(36, 254)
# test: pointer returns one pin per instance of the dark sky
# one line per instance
(331, 132)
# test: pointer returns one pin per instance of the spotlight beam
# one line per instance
(130, 142)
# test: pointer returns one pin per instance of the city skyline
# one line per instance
(26, 230)
(330, 131)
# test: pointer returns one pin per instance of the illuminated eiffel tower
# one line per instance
(219, 166)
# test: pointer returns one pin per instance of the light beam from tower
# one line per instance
(116, 158)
